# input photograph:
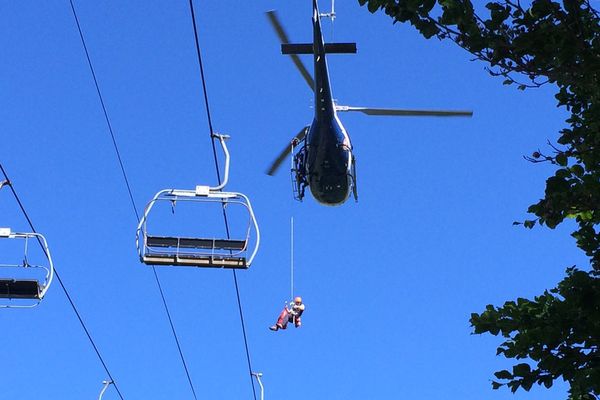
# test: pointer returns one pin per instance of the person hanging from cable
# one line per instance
(291, 313)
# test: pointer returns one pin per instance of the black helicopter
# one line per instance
(324, 161)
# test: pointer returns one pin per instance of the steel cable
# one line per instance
(211, 133)
(62, 285)
(110, 129)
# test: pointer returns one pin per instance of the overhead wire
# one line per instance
(212, 139)
(62, 285)
(110, 129)
(129, 190)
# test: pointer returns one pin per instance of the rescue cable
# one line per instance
(292, 166)
(292, 258)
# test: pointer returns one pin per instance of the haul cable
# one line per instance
(110, 129)
(62, 285)
(212, 137)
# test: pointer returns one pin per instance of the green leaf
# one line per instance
(504, 374)
(527, 384)
(577, 170)
(427, 28)
(557, 42)
(561, 159)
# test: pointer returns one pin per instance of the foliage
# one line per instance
(558, 330)
(544, 42)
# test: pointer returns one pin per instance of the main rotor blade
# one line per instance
(406, 113)
(286, 151)
(274, 20)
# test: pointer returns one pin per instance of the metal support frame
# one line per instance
(259, 375)
(106, 384)
(222, 139)
(331, 14)
(6, 233)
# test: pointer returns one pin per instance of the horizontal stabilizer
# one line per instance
(307, 48)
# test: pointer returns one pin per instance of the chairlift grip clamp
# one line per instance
(259, 375)
(105, 386)
(219, 136)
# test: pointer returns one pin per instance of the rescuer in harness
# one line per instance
(290, 314)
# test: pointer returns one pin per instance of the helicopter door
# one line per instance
(25, 273)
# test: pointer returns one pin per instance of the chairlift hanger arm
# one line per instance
(259, 375)
(106, 384)
(222, 139)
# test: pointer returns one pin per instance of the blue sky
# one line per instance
(389, 283)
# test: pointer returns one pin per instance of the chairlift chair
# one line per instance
(30, 291)
(200, 252)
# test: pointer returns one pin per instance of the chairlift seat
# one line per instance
(194, 243)
(19, 289)
(192, 252)
(195, 260)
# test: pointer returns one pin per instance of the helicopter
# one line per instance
(322, 156)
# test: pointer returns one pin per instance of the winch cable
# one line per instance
(292, 167)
